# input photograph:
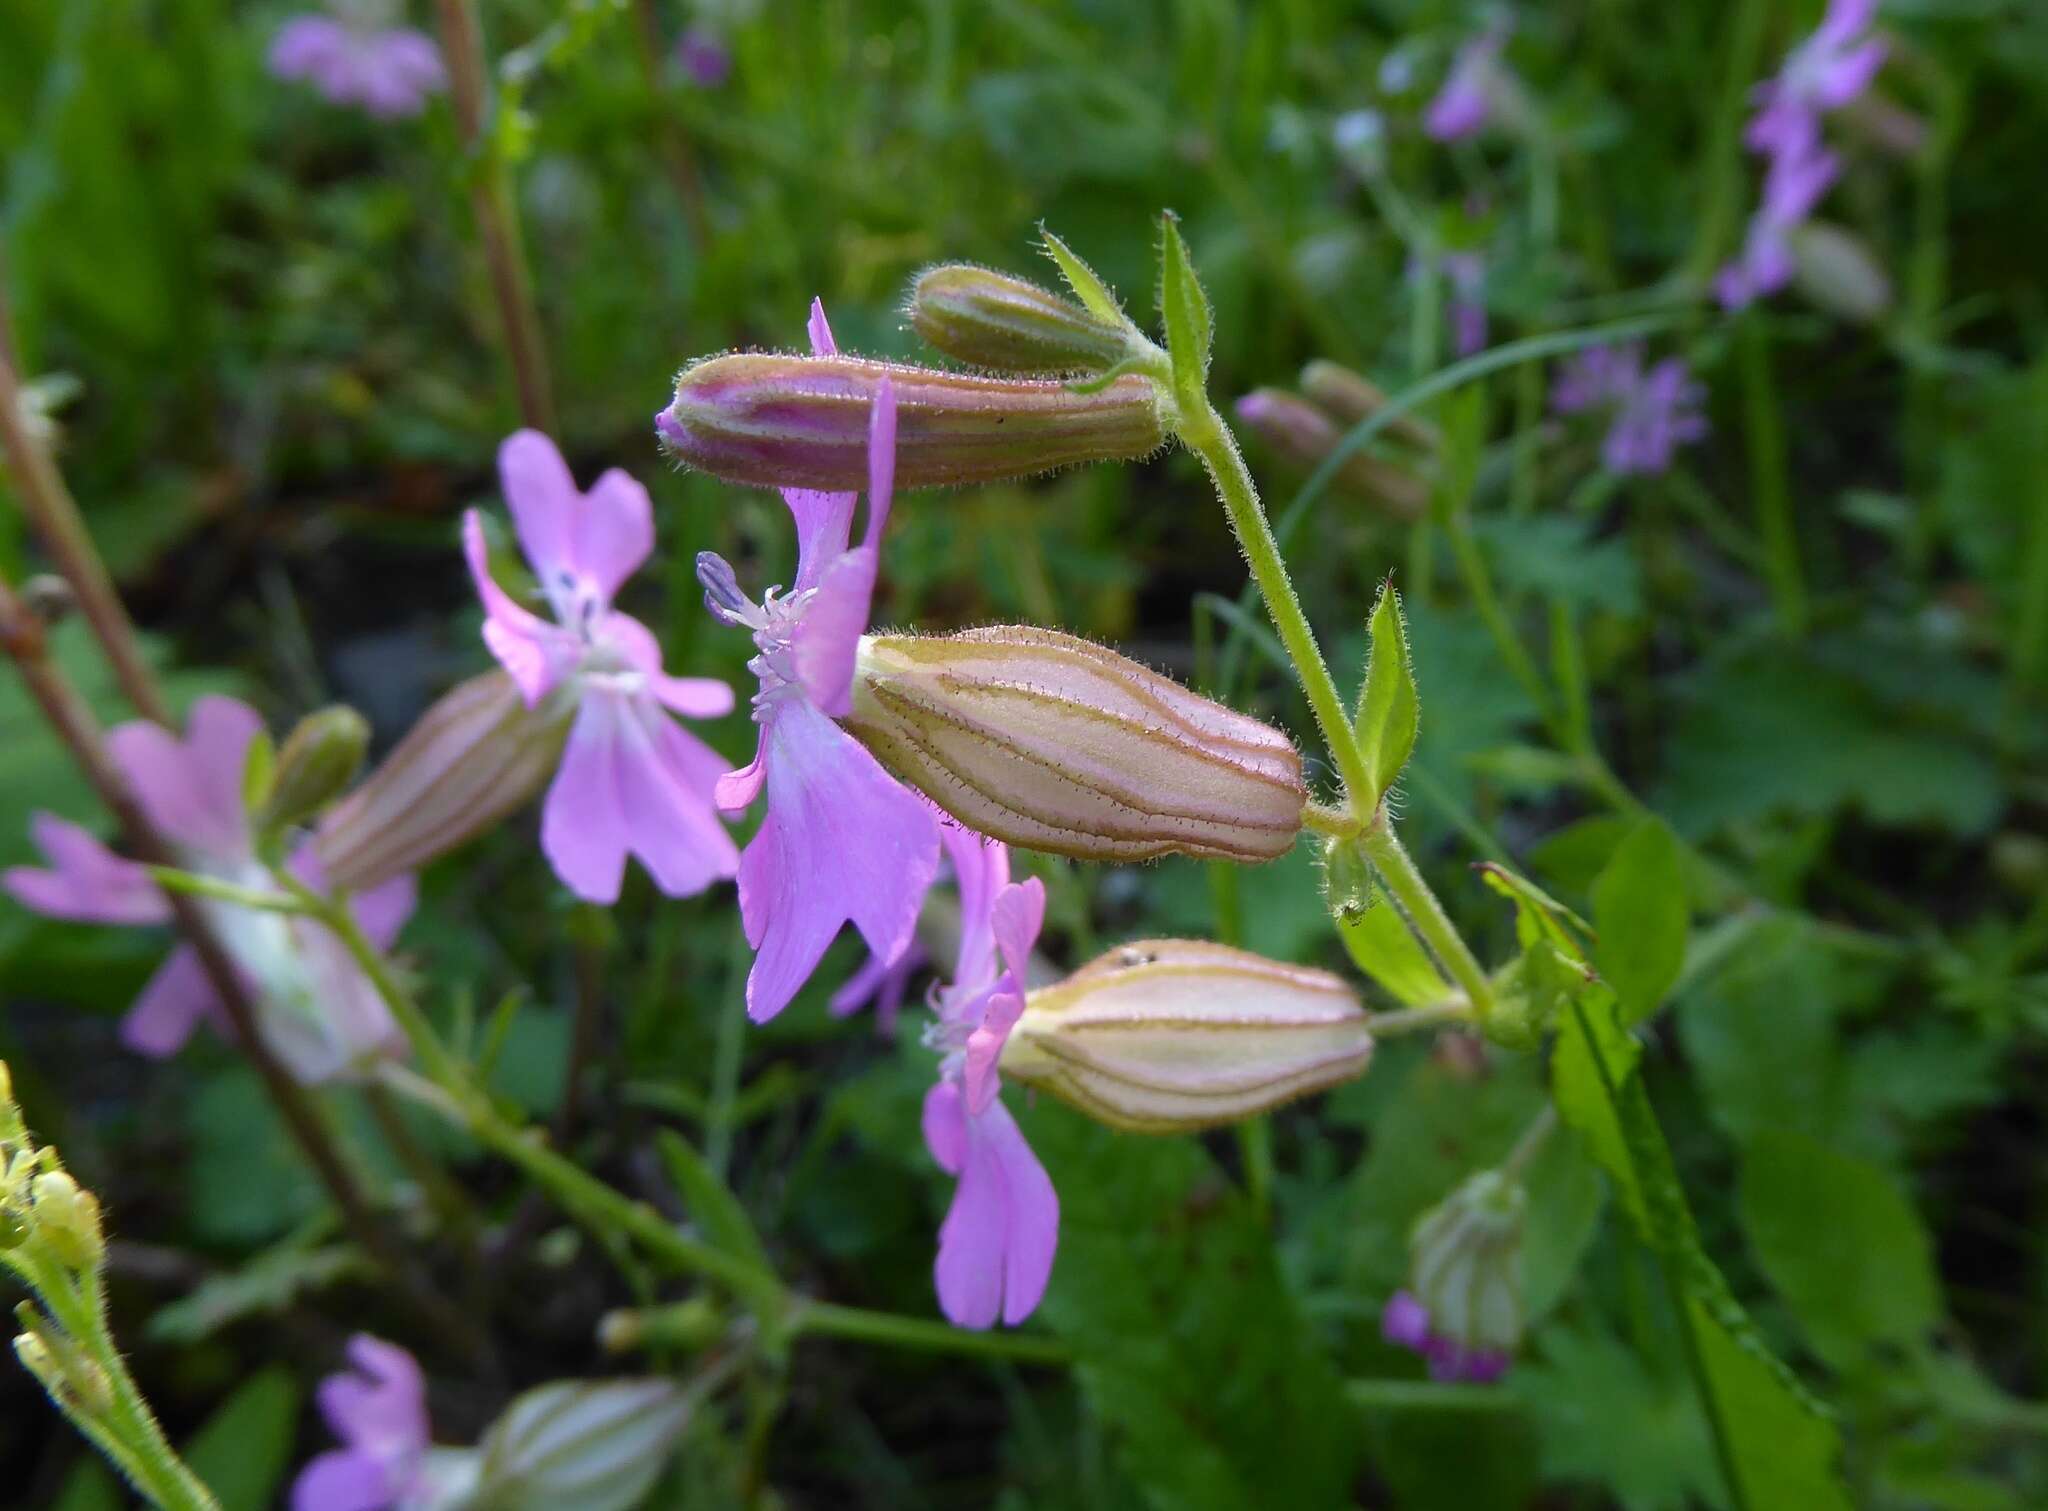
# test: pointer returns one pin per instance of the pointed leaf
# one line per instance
(1388, 711)
(1189, 326)
(1640, 916)
(1384, 947)
(710, 1200)
(1081, 278)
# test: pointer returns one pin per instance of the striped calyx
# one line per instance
(1167, 1035)
(1052, 742)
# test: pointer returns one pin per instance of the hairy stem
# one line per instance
(922, 1333)
(1397, 869)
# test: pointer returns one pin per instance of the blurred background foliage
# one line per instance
(288, 385)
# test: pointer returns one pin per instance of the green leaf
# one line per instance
(1841, 1243)
(1640, 916)
(245, 1447)
(1386, 949)
(1389, 714)
(258, 769)
(1190, 327)
(1188, 1344)
(709, 1199)
(1081, 278)
(1778, 1446)
(267, 1284)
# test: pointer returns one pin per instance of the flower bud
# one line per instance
(597, 1447)
(802, 422)
(1167, 1035)
(1836, 269)
(1055, 743)
(317, 762)
(75, 1382)
(67, 1219)
(472, 758)
(989, 319)
(1348, 397)
(1305, 436)
(1463, 1308)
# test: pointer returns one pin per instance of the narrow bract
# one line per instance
(1055, 743)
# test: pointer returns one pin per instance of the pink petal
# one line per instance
(996, 1244)
(824, 525)
(1016, 917)
(693, 697)
(945, 1126)
(737, 789)
(383, 909)
(675, 830)
(827, 638)
(544, 501)
(583, 827)
(821, 333)
(218, 733)
(172, 791)
(842, 841)
(612, 532)
(175, 999)
(340, 1480)
(999, 1014)
(533, 652)
(87, 882)
(881, 460)
(380, 1407)
(305, 44)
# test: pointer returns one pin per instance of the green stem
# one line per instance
(1769, 480)
(1531, 1143)
(192, 884)
(1716, 226)
(1428, 1395)
(1384, 849)
(1452, 1013)
(1206, 435)
(922, 1333)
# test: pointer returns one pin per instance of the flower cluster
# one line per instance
(1825, 72)
(1650, 414)
(386, 71)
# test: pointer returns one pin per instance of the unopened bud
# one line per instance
(1348, 397)
(1465, 1268)
(472, 758)
(1167, 1035)
(318, 760)
(1055, 743)
(1306, 437)
(74, 1381)
(990, 319)
(802, 422)
(597, 1447)
(1836, 269)
(685, 1325)
(67, 1219)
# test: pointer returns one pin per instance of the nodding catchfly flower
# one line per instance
(997, 1242)
(314, 1008)
(1828, 70)
(631, 780)
(1049, 741)
(1651, 414)
(1466, 102)
(353, 59)
(842, 841)
(1462, 1310)
(1171, 1035)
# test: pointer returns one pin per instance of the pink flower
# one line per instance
(1793, 186)
(705, 59)
(631, 780)
(1406, 1323)
(996, 1244)
(842, 839)
(1651, 414)
(315, 1009)
(882, 982)
(389, 73)
(1825, 72)
(379, 1410)
(1462, 107)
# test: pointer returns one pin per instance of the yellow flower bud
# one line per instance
(1167, 1035)
(1054, 743)
(67, 1219)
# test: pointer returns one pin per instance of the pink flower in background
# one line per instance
(1406, 1323)
(842, 839)
(1792, 187)
(632, 781)
(1465, 103)
(1825, 72)
(388, 72)
(1651, 414)
(996, 1245)
(882, 982)
(704, 58)
(379, 1411)
(1467, 274)
(316, 1011)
